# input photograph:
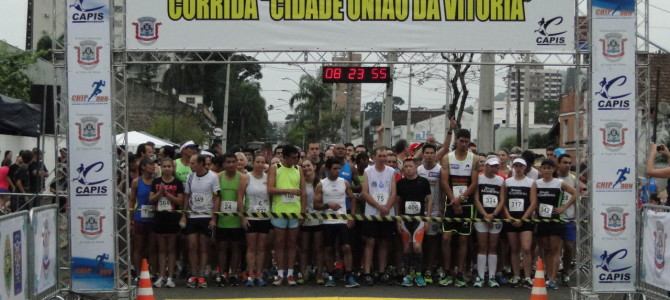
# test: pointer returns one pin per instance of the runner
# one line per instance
(330, 195)
(459, 181)
(489, 201)
(379, 192)
(521, 203)
(256, 200)
(167, 193)
(430, 170)
(242, 162)
(504, 169)
(414, 199)
(286, 185)
(570, 232)
(201, 189)
(311, 237)
(143, 216)
(229, 233)
(549, 193)
(183, 164)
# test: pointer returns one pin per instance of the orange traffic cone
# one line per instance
(539, 291)
(144, 289)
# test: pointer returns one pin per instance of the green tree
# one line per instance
(312, 103)
(184, 128)
(508, 143)
(249, 121)
(539, 140)
(13, 81)
(374, 109)
(546, 112)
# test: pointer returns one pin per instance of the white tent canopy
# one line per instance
(135, 138)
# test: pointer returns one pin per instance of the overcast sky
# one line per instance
(430, 94)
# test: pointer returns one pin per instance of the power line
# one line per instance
(660, 8)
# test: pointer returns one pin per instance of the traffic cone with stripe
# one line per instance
(144, 289)
(539, 291)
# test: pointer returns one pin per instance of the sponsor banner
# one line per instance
(14, 259)
(655, 250)
(613, 120)
(91, 145)
(45, 262)
(352, 25)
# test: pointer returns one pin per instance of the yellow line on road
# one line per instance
(335, 298)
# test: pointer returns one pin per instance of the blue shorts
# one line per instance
(570, 231)
(282, 223)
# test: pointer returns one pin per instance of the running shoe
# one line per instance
(493, 283)
(479, 282)
(301, 278)
(386, 278)
(351, 282)
(330, 282)
(291, 280)
(202, 282)
(527, 282)
(552, 285)
(319, 279)
(220, 280)
(428, 277)
(278, 281)
(169, 283)
(460, 281)
(446, 280)
(159, 282)
(260, 282)
(192, 282)
(419, 280)
(368, 280)
(250, 282)
(566, 280)
(501, 278)
(407, 281)
(514, 281)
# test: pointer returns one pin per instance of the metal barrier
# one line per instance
(652, 219)
(44, 251)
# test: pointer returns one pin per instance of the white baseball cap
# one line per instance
(206, 153)
(187, 144)
(493, 161)
(519, 161)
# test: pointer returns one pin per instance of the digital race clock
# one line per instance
(338, 74)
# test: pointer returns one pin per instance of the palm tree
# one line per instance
(312, 97)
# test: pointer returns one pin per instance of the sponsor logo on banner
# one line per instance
(621, 182)
(612, 267)
(90, 224)
(660, 242)
(87, 11)
(94, 96)
(612, 94)
(614, 136)
(88, 54)
(547, 32)
(620, 8)
(89, 180)
(146, 30)
(613, 46)
(614, 220)
(88, 130)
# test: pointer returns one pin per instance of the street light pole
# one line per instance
(224, 126)
(408, 134)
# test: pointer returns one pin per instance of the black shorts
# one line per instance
(311, 229)
(549, 229)
(259, 226)
(525, 226)
(166, 223)
(229, 234)
(462, 228)
(143, 228)
(335, 232)
(377, 230)
(198, 225)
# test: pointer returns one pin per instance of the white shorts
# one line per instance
(483, 227)
(434, 228)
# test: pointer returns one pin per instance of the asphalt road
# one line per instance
(312, 291)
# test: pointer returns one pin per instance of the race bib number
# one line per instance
(147, 211)
(412, 207)
(164, 204)
(228, 206)
(546, 210)
(459, 190)
(198, 199)
(381, 198)
(490, 201)
(516, 204)
(289, 198)
(261, 209)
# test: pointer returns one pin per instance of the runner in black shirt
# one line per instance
(414, 200)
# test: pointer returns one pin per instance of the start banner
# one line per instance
(351, 25)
